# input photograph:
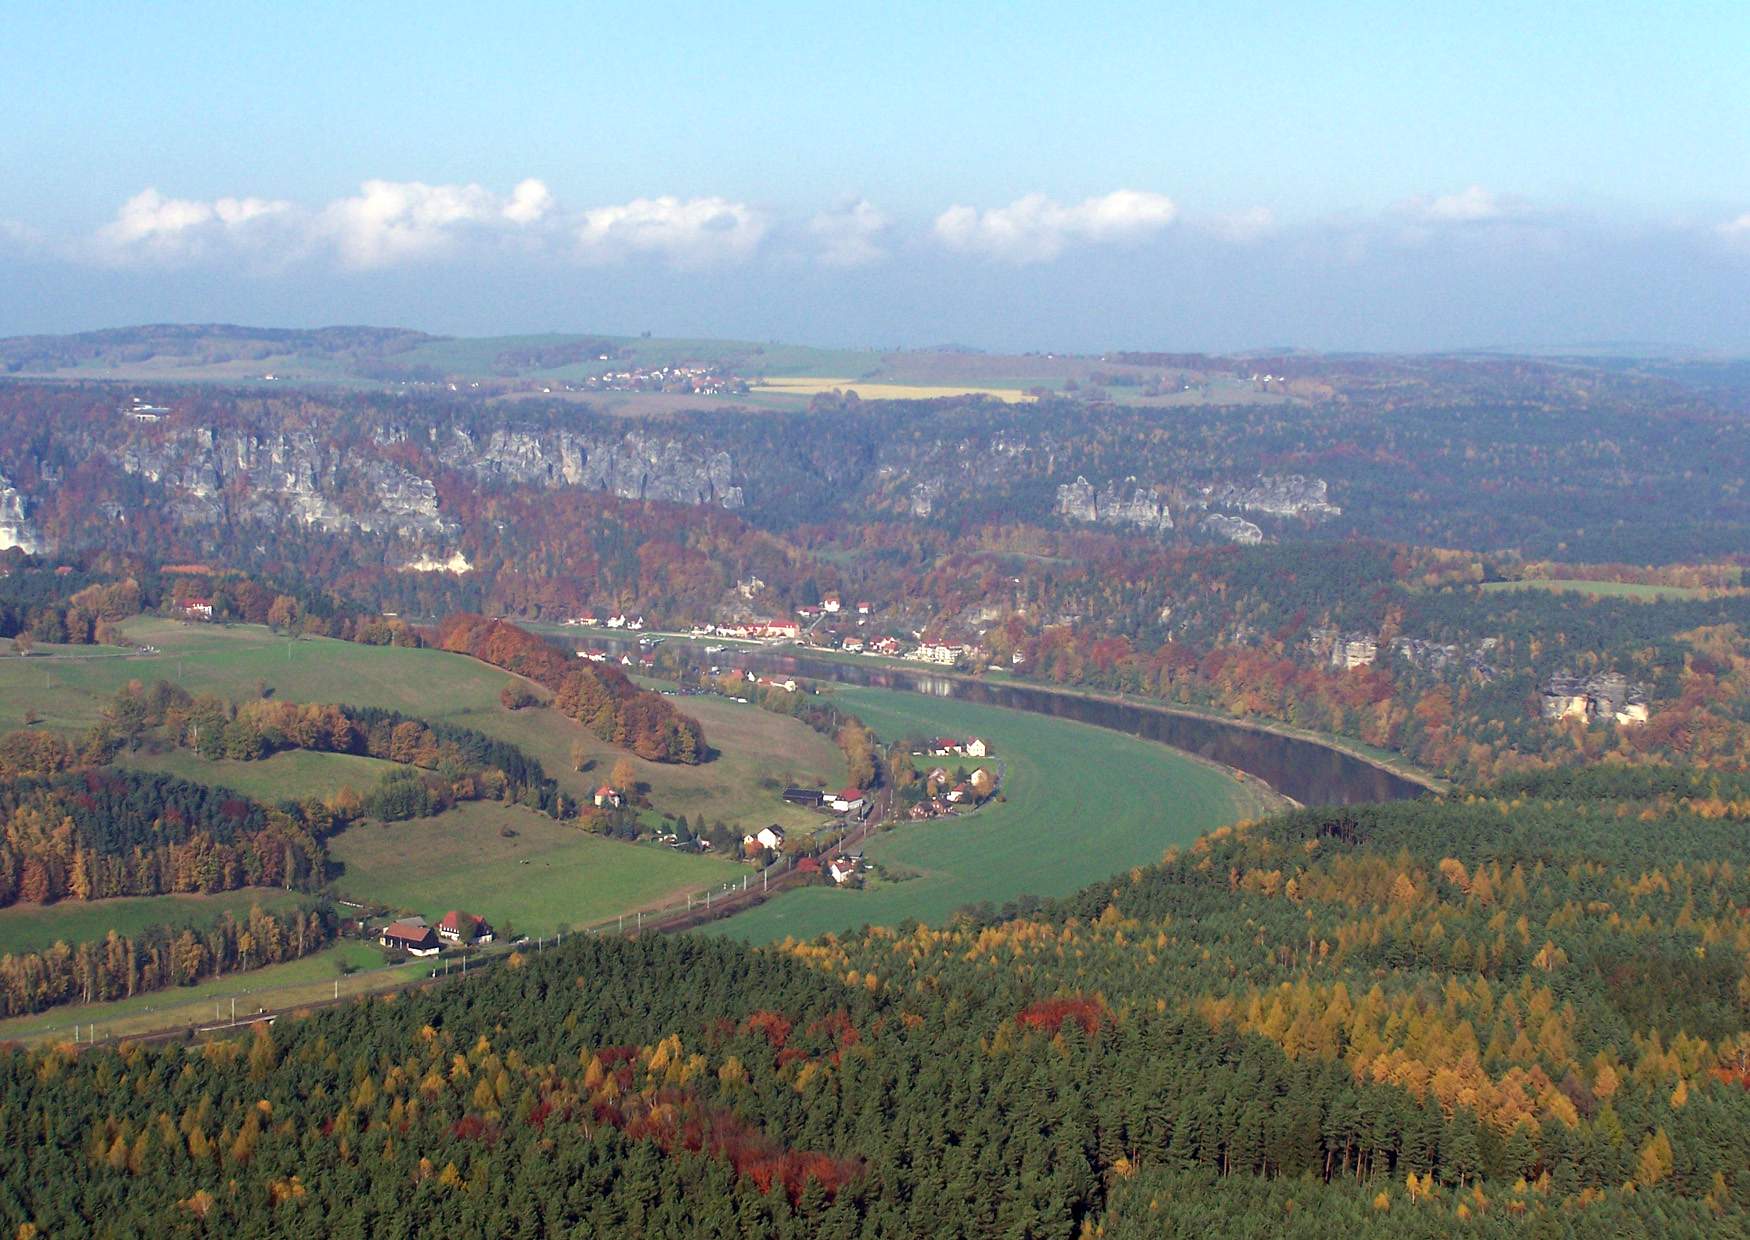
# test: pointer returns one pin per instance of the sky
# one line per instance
(1359, 176)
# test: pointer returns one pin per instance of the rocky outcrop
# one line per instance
(1116, 504)
(284, 477)
(924, 496)
(1278, 495)
(1234, 529)
(15, 527)
(634, 466)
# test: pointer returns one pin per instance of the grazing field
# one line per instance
(31, 927)
(547, 876)
(289, 775)
(1603, 589)
(758, 754)
(234, 660)
(1083, 803)
(316, 977)
(806, 385)
(458, 858)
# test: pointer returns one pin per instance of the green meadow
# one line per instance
(1601, 589)
(31, 927)
(1082, 803)
(544, 876)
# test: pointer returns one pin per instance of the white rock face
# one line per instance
(15, 529)
(287, 477)
(635, 466)
(1234, 529)
(1117, 503)
(457, 563)
(1279, 495)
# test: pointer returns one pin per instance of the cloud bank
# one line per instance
(1455, 266)
(1036, 229)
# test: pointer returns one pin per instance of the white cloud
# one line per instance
(685, 232)
(849, 235)
(1737, 232)
(149, 225)
(1474, 205)
(393, 221)
(529, 201)
(1036, 228)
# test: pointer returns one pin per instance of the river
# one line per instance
(1305, 770)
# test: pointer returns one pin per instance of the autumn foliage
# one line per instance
(601, 697)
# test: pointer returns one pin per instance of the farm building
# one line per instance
(410, 935)
(460, 927)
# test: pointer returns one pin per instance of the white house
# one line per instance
(771, 837)
(975, 747)
(848, 800)
(616, 621)
(841, 869)
(608, 797)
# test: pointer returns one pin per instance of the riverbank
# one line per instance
(1333, 787)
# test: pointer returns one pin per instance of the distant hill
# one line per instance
(197, 345)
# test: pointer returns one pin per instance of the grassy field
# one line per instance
(1602, 589)
(29, 927)
(289, 775)
(547, 876)
(753, 745)
(458, 858)
(231, 660)
(1083, 803)
(803, 385)
(317, 976)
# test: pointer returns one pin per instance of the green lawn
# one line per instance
(1083, 803)
(1603, 589)
(287, 776)
(547, 876)
(313, 978)
(30, 927)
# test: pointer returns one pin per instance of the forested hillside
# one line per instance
(1520, 1008)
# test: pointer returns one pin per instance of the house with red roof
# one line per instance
(460, 927)
(608, 797)
(847, 800)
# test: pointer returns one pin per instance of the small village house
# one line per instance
(460, 927)
(410, 935)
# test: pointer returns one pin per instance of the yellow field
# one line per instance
(802, 385)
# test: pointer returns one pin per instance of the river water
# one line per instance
(1311, 773)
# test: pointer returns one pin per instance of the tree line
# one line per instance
(600, 696)
(120, 966)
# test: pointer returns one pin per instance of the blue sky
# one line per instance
(1021, 175)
